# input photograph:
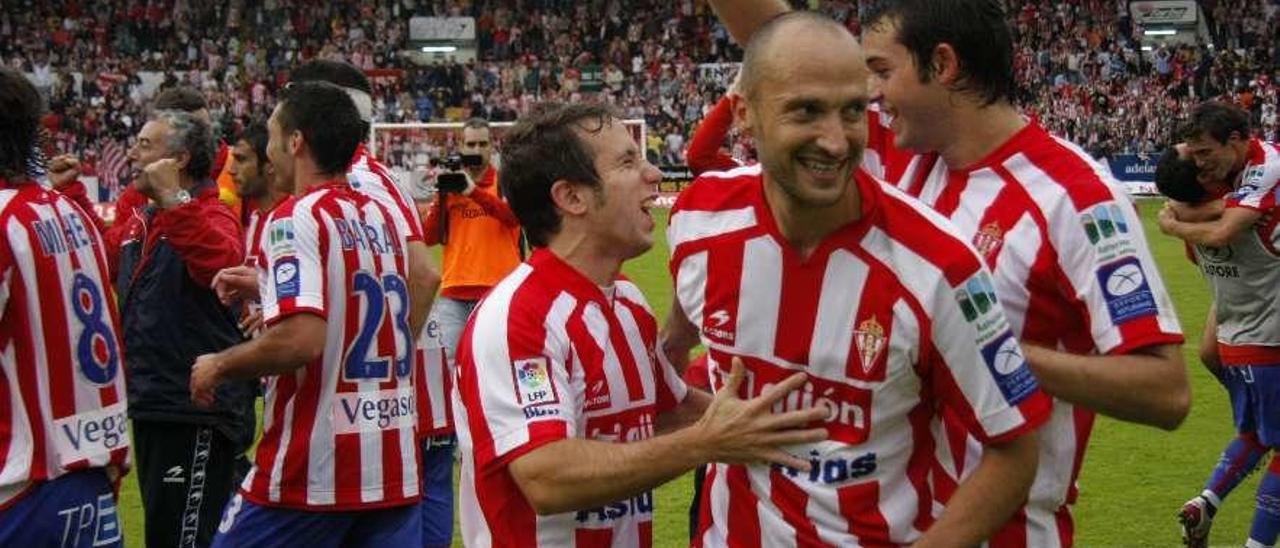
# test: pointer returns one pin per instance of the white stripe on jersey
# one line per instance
(705, 224)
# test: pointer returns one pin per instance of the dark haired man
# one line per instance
(1236, 242)
(62, 402)
(338, 462)
(566, 411)
(1073, 272)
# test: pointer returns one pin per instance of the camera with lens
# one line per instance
(453, 180)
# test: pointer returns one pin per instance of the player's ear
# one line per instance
(946, 65)
(295, 143)
(570, 198)
(742, 115)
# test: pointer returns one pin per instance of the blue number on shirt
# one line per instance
(359, 365)
(86, 303)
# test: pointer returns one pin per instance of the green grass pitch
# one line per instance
(1134, 479)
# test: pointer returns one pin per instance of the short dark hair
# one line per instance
(256, 136)
(758, 46)
(476, 123)
(327, 119)
(20, 111)
(977, 30)
(335, 72)
(338, 73)
(1177, 178)
(543, 147)
(1218, 120)
(184, 98)
(188, 133)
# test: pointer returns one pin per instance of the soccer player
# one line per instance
(338, 463)
(1244, 276)
(566, 415)
(1219, 141)
(257, 186)
(807, 263)
(64, 439)
(1070, 267)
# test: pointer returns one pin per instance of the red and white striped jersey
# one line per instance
(548, 355)
(882, 158)
(894, 320)
(368, 176)
(1073, 271)
(252, 236)
(1256, 188)
(338, 434)
(62, 387)
(433, 382)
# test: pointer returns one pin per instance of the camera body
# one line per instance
(453, 180)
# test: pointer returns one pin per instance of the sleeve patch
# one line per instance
(1125, 287)
(534, 386)
(1004, 358)
(286, 277)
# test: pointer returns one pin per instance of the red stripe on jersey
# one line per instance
(860, 504)
(646, 533)
(268, 451)
(1066, 526)
(724, 272)
(792, 503)
(949, 200)
(593, 538)
(800, 291)
(57, 348)
(742, 507)
(630, 369)
(1013, 534)
(1082, 423)
(921, 461)
(704, 506)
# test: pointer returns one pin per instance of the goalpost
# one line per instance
(409, 148)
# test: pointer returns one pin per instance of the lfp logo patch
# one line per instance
(288, 283)
(1125, 287)
(533, 382)
(1005, 360)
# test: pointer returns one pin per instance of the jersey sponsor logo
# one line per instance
(389, 409)
(622, 427)
(869, 338)
(718, 326)
(1004, 358)
(288, 284)
(1108, 231)
(1251, 179)
(1125, 288)
(1216, 254)
(977, 299)
(280, 238)
(91, 524)
(848, 418)
(988, 240)
(639, 505)
(534, 386)
(91, 434)
(832, 470)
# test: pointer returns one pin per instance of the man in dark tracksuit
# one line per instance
(166, 258)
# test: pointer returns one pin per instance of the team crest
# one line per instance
(988, 239)
(870, 340)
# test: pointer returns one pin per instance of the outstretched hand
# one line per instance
(747, 431)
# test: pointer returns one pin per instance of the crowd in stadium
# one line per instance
(1081, 68)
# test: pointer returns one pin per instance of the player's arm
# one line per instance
(1198, 213)
(743, 17)
(731, 430)
(423, 282)
(704, 153)
(431, 220)
(1218, 233)
(290, 344)
(494, 206)
(687, 412)
(986, 499)
(678, 337)
(1147, 385)
(1209, 344)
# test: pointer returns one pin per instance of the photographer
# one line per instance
(475, 225)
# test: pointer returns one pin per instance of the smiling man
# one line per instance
(807, 263)
(567, 417)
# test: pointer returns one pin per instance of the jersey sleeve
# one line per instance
(1106, 271)
(514, 383)
(292, 279)
(1258, 187)
(976, 364)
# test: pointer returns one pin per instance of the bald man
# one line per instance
(807, 263)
